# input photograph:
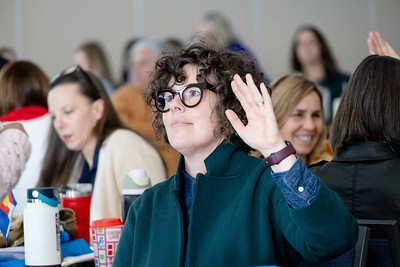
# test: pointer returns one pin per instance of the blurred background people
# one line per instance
(91, 57)
(23, 98)
(130, 103)
(312, 56)
(297, 103)
(365, 137)
(174, 43)
(379, 46)
(216, 30)
(3, 62)
(87, 124)
(8, 53)
(126, 59)
(14, 153)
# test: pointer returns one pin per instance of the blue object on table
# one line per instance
(10, 262)
(72, 248)
(75, 247)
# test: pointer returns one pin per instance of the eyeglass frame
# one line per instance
(202, 86)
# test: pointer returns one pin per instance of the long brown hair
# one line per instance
(369, 108)
(59, 161)
(22, 84)
(328, 60)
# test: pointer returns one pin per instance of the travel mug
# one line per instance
(42, 228)
(135, 182)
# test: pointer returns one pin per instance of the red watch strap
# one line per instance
(277, 157)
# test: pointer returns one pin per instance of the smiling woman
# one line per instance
(297, 104)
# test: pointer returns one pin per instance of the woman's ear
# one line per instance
(98, 108)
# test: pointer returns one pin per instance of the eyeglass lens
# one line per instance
(190, 97)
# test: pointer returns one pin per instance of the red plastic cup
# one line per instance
(79, 202)
(105, 235)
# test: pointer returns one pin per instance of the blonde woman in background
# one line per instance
(91, 57)
(297, 103)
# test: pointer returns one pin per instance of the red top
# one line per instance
(24, 113)
(107, 223)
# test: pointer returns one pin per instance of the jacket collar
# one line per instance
(365, 151)
(222, 163)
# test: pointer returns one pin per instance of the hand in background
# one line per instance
(378, 46)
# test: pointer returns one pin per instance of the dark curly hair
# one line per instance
(217, 67)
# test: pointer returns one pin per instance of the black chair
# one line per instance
(384, 243)
(361, 249)
(356, 257)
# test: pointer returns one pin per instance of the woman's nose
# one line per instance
(176, 104)
(309, 123)
(58, 123)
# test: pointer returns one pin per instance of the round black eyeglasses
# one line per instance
(190, 95)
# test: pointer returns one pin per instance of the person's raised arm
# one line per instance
(262, 131)
(379, 46)
(14, 153)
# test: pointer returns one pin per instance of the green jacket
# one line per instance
(239, 218)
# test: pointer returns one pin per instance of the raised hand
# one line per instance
(378, 46)
(261, 132)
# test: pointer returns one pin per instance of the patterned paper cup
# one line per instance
(105, 236)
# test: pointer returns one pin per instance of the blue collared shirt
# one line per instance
(298, 185)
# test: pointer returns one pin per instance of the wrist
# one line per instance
(278, 156)
(278, 146)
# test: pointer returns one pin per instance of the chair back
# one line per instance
(384, 243)
(355, 257)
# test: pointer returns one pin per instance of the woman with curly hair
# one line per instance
(223, 207)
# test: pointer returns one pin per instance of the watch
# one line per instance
(277, 157)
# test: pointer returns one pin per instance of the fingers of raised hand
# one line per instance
(247, 92)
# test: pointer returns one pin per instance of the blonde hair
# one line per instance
(287, 92)
(97, 60)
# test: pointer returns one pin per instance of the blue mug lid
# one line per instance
(43, 194)
(46, 191)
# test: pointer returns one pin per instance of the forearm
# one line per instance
(298, 185)
(315, 220)
(322, 230)
(14, 153)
